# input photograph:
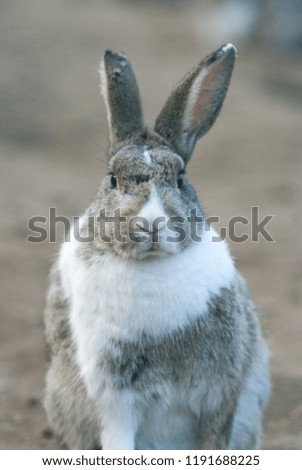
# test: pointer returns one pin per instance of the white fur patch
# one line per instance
(156, 295)
(153, 208)
(118, 421)
(147, 158)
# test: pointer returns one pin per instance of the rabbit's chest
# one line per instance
(185, 358)
(147, 328)
(155, 296)
(129, 318)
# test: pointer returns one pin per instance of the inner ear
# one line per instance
(195, 102)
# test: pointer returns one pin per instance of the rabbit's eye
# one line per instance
(180, 181)
(113, 181)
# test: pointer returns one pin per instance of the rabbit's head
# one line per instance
(146, 205)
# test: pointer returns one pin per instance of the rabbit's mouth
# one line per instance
(156, 249)
(152, 249)
(152, 252)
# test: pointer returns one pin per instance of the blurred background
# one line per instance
(54, 138)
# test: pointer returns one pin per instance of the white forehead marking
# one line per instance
(147, 157)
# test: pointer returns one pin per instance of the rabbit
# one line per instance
(154, 342)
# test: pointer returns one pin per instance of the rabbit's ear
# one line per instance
(195, 102)
(121, 96)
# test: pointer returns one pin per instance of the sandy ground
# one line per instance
(53, 141)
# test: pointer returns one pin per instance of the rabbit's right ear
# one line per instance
(195, 102)
(121, 95)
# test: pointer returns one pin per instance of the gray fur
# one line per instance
(125, 117)
(221, 353)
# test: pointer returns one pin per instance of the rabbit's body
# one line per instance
(154, 344)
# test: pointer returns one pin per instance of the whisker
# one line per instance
(94, 141)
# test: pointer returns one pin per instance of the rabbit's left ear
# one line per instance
(121, 95)
(195, 102)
